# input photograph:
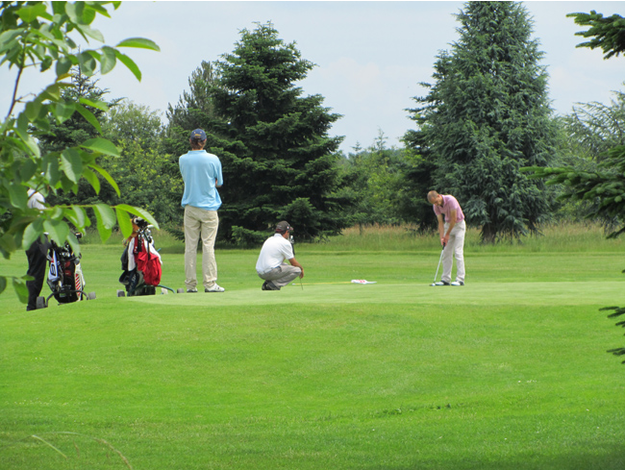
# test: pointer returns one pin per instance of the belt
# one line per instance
(269, 270)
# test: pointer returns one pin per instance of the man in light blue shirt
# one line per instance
(201, 173)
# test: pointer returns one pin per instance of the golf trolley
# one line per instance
(141, 263)
(65, 276)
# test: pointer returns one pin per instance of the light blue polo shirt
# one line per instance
(201, 173)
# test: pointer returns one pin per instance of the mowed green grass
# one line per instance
(508, 372)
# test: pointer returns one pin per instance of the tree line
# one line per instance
(485, 119)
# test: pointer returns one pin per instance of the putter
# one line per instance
(437, 267)
(292, 241)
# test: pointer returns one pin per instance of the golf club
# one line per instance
(292, 241)
(437, 267)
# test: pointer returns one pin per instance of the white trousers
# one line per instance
(454, 249)
(205, 223)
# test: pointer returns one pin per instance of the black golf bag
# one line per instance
(65, 276)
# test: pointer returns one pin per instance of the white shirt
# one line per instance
(35, 200)
(275, 250)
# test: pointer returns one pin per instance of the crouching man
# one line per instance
(271, 265)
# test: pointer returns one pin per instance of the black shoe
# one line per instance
(268, 285)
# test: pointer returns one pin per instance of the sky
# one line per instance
(370, 56)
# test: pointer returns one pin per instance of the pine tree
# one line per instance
(486, 116)
(278, 160)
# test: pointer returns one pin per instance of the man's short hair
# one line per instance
(432, 195)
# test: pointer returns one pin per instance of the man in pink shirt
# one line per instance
(451, 230)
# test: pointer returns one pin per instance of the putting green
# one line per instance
(513, 293)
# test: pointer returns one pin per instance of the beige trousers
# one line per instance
(200, 222)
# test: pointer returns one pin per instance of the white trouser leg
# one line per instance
(454, 248)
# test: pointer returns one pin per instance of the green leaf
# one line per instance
(51, 168)
(102, 146)
(86, 30)
(32, 233)
(58, 8)
(98, 8)
(8, 39)
(58, 230)
(31, 13)
(123, 219)
(73, 242)
(140, 212)
(21, 290)
(93, 180)
(22, 126)
(52, 93)
(77, 216)
(32, 110)
(63, 111)
(71, 164)
(142, 43)
(28, 169)
(128, 62)
(105, 218)
(63, 66)
(7, 245)
(107, 177)
(101, 105)
(18, 195)
(108, 60)
(87, 63)
(88, 115)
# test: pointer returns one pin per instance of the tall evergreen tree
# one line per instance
(278, 160)
(486, 116)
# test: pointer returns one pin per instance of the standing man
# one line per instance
(201, 173)
(271, 265)
(451, 231)
(37, 255)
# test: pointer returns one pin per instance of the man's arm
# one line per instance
(452, 222)
(295, 263)
(441, 228)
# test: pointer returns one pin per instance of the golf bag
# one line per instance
(141, 263)
(65, 276)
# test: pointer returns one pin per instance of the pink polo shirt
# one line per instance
(449, 204)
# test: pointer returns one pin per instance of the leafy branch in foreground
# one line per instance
(606, 33)
(38, 35)
(606, 186)
(617, 312)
